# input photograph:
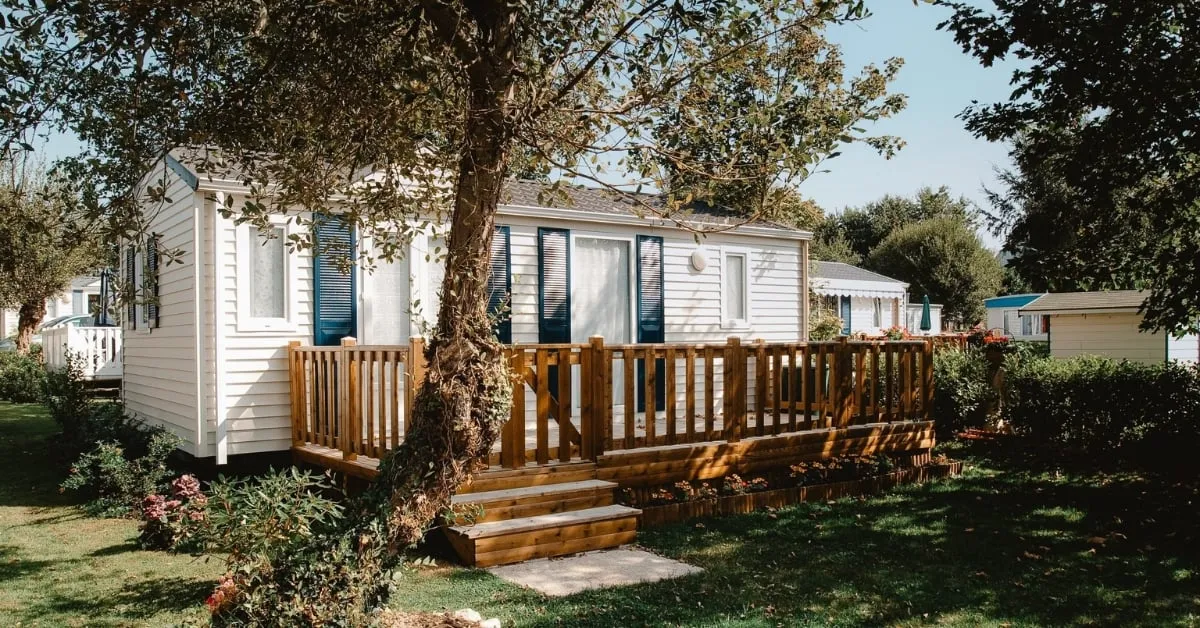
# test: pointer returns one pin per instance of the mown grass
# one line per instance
(1019, 540)
(59, 567)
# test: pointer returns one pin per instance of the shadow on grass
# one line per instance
(139, 600)
(1014, 541)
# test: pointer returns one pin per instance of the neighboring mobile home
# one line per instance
(867, 302)
(207, 355)
(1106, 324)
(83, 297)
(1003, 313)
(913, 324)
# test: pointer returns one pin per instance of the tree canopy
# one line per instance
(864, 228)
(45, 242)
(941, 257)
(1122, 79)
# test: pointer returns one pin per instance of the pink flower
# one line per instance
(185, 486)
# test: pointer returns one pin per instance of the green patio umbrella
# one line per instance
(926, 323)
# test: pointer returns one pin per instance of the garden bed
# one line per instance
(662, 514)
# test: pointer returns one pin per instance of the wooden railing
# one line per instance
(97, 349)
(577, 401)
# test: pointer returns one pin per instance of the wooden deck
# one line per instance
(548, 487)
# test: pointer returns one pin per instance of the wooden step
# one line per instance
(530, 501)
(557, 534)
(530, 475)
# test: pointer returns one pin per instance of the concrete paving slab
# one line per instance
(592, 570)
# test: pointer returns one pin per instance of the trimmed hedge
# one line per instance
(22, 376)
(962, 389)
(1144, 413)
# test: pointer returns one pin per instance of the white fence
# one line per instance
(99, 349)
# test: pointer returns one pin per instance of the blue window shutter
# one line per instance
(150, 281)
(335, 312)
(554, 285)
(500, 284)
(650, 324)
(131, 286)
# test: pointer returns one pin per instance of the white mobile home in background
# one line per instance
(208, 358)
(867, 302)
(1107, 324)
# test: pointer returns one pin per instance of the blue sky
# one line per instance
(940, 80)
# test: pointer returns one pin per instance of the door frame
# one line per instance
(631, 240)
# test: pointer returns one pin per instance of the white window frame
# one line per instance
(245, 322)
(631, 241)
(877, 312)
(745, 254)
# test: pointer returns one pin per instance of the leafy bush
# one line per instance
(115, 480)
(962, 389)
(1147, 413)
(22, 377)
(294, 557)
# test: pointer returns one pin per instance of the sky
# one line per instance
(940, 81)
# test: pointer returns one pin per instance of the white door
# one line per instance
(388, 316)
(601, 298)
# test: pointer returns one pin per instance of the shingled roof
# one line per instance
(841, 271)
(1066, 302)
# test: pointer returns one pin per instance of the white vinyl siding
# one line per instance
(160, 363)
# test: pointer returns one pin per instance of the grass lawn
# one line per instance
(1014, 542)
(61, 568)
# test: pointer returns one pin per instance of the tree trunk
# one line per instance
(28, 318)
(467, 391)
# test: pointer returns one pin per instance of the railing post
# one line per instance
(594, 427)
(512, 447)
(347, 400)
(297, 400)
(843, 383)
(735, 390)
(927, 380)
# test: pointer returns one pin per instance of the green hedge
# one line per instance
(21, 376)
(1097, 406)
(962, 389)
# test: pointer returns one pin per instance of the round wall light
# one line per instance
(699, 263)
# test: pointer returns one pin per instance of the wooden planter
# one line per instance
(738, 504)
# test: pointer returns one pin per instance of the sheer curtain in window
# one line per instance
(267, 259)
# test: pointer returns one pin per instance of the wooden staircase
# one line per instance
(539, 512)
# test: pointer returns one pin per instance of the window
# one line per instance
(878, 321)
(735, 286)
(264, 279)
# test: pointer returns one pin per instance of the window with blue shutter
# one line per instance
(500, 284)
(335, 311)
(650, 324)
(150, 281)
(554, 285)
(554, 291)
(131, 286)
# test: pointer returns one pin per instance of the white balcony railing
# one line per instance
(98, 348)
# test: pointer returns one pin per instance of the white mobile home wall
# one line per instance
(1116, 336)
(240, 404)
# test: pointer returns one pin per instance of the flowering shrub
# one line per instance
(175, 522)
(896, 332)
(841, 469)
(980, 337)
(115, 478)
(735, 485)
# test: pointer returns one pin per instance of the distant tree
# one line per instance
(1122, 77)
(863, 228)
(832, 247)
(943, 258)
(1051, 233)
(45, 242)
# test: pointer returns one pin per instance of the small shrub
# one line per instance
(176, 521)
(22, 377)
(963, 389)
(294, 557)
(268, 514)
(115, 480)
